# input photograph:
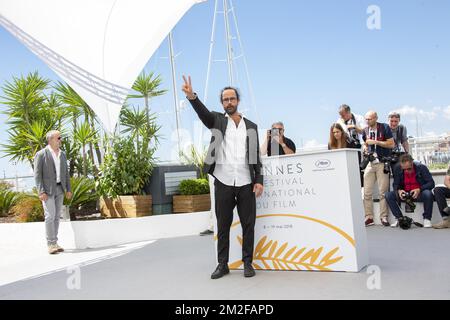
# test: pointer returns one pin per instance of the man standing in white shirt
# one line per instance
(234, 161)
(52, 181)
(353, 125)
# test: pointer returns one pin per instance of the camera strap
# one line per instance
(353, 134)
(379, 134)
(373, 135)
(398, 139)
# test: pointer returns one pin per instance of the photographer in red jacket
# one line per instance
(412, 182)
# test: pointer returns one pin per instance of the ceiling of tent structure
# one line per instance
(97, 47)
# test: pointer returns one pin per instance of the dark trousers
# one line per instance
(226, 198)
(361, 172)
(425, 196)
(440, 194)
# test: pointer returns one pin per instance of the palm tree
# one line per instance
(133, 120)
(30, 116)
(84, 134)
(25, 142)
(24, 96)
(55, 107)
(147, 87)
(79, 107)
(138, 125)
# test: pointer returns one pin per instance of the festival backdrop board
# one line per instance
(309, 217)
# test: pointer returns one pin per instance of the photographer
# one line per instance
(440, 194)
(353, 126)
(400, 135)
(276, 141)
(412, 182)
(378, 144)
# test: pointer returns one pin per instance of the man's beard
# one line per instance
(230, 110)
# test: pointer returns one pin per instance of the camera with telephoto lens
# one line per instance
(390, 161)
(387, 165)
(369, 157)
(410, 206)
(395, 156)
(405, 222)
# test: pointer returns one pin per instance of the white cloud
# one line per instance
(446, 112)
(409, 112)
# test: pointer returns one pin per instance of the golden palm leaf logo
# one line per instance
(271, 255)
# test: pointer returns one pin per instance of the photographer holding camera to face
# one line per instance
(412, 183)
(400, 135)
(378, 144)
(276, 143)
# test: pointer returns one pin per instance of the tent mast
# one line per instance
(175, 95)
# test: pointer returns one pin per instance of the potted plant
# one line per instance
(194, 193)
(123, 173)
(194, 196)
(84, 198)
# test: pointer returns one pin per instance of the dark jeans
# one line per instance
(440, 194)
(425, 196)
(361, 172)
(226, 198)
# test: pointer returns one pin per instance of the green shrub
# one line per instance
(194, 186)
(83, 192)
(28, 209)
(438, 166)
(7, 200)
(125, 169)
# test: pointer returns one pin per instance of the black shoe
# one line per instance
(385, 222)
(248, 270)
(221, 270)
(206, 232)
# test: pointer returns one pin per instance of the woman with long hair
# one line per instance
(338, 138)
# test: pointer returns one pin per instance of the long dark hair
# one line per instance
(333, 142)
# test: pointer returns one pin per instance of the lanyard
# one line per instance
(373, 135)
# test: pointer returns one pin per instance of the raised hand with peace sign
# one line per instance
(187, 88)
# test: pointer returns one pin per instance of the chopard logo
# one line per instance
(323, 163)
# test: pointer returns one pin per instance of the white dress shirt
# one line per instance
(231, 163)
(360, 122)
(57, 161)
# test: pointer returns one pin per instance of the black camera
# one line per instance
(387, 166)
(395, 156)
(390, 161)
(410, 206)
(366, 159)
(405, 222)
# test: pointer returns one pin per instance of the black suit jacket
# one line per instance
(217, 123)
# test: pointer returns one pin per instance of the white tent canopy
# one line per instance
(97, 47)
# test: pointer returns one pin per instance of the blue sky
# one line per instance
(305, 58)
